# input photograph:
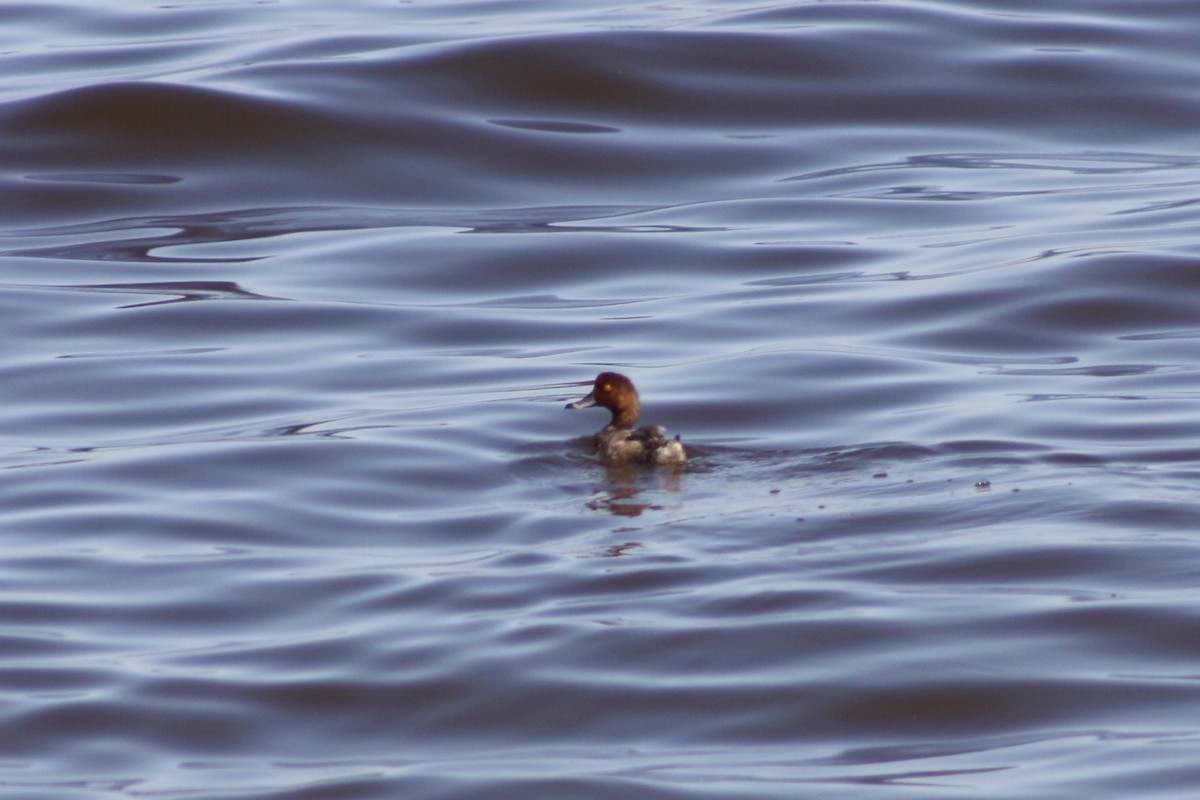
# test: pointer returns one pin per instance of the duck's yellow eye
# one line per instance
(607, 387)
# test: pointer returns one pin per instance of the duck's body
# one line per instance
(619, 441)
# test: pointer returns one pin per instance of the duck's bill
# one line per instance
(584, 402)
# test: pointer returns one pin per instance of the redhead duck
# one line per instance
(618, 441)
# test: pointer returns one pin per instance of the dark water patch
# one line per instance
(554, 126)
(106, 122)
(106, 177)
(177, 292)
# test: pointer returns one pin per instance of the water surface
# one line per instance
(296, 296)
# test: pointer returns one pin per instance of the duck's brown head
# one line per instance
(615, 392)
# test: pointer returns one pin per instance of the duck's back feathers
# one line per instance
(647, 445)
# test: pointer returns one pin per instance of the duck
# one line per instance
(618, 441)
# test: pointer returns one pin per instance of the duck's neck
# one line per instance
(625, 418)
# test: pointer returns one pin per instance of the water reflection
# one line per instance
(626, 483)
(618, 550)
(177, 291)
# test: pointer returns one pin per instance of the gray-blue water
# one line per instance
(293, 294)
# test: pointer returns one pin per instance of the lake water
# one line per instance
(294, 294)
